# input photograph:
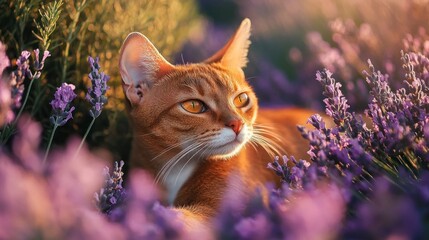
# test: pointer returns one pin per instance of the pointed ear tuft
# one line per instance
(140, 65)
(234, 53)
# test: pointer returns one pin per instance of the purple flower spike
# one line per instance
(96, 93)
(336, 103)
(113, 194)
(290, 175)
(18, 76)
(38, 65)
(62, 112)
(23, 65)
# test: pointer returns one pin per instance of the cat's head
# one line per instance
(206, 108)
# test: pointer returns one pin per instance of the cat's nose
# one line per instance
(235, 125)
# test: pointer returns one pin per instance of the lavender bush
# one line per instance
(385, 161)
(54, 201)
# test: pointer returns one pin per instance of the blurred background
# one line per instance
(291, 40)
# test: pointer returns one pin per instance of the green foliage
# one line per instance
(49, 15)
(72, 31)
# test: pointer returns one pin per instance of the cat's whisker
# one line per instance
(166, 150)
(168, 163)
(175, 162)
(272, 126)
(261, 127)
(270, 134)
(183, 59)
(166, 168)
(252, 144)
(176, 159)
(171, 147)
(268, 130)
(258, 125)
(184, 165)
(264, 146)
(276, 147)
(208, 150)
(271, 147)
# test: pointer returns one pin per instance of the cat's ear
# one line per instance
(234, 53)
(140, 65)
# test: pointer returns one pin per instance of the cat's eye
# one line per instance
(241, 100)
(194, 106)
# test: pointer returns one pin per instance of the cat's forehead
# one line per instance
(202, 77)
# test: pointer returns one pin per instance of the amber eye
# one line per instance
(194, 106)
(241, 100)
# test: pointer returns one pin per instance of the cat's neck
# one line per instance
(153, 156)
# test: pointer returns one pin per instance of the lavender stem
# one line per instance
(25, 101)
(49, 144)
(84, 137)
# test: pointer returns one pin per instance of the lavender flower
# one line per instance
(391, 213)
(360, 159)
(96, 94)
(290, 175)
(18, 77)
(336, 103)
(113, 194)
(292, 214)
(380, 90)
(62, 112)
(58, 196)
(338, 153)
(144, 217)
(39, 64)
(245, 217)
(313, 214)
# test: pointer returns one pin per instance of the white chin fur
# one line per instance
(226, 144)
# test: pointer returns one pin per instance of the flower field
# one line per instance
(65, 137)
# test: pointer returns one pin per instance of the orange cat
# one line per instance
(195, 125)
